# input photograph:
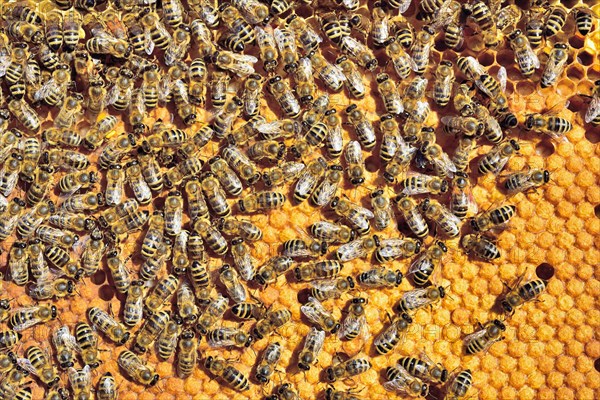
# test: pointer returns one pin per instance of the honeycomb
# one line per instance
(550, 349)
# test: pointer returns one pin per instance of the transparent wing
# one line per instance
(593, 110)
(353, 323)
(416, 298)
(326, 192)
(502, 78)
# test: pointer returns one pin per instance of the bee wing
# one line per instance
(43, 91)
(477, 335)
(593, 110)
(503, 77)
(355, 80)
(364, 212)
(404, 6)
(418, 264)
(305, 68)
(391, 247)
(326, 192)
(400, 382)
(269, 128)
(389, 333)
(352, 323)
(27, 365)
(353, 153)
(326, 285)
(245, 264)
(282, 42)
(181, 89)
(524, 183)
(5, 61)
(416, 298)
(351, 250)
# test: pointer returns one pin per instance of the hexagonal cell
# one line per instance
(526, 88)
(486, 59)
(592, 134)
(593, 72)
(585, 57)
(597, 213)
(565, 87)
(545, 148)
(576, 42)
(544, 271)
(576, 72)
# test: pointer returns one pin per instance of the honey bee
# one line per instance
(213, 312)
(134, 302)
(360, 52)
(423, 267)
(443, 218)
(334, 27)
(442, 164)
(331, 232)
(115, 149)
(26, 115)
(240, 163)
(401, 60)
(272, 321)
(229, 277)
(9, 338)
(525, 181)
(380, 277)
(421, 49)
(316, 112)
(418, 183)
(520, 294)
(245, 229)
(247, 310)
(211, 236)
(442, 88)
(382, 210)
(49, 287)
(555, 21)
(137, 369)
(268, 48)
(358, 248)
(356, 215)
(461, 198)
(526, 59)
(65, 345)
(107, 387)
(485, 337)
(458, 385)
(313, 344)
(555, 65)
(39, 363)
(226, 337)
(325, 190)
(480, 246)
(380, 33)
(261, 201)
(331, 288)
(219, 83)
(173, 213)
(149, 331)
(270, 150)
(228, 373)
(17, 263)
(161, 293)
(285, 128)
(331, 75)
(362, 126)
(317, 314)
(167, 339)
(467, 126)
(389, 94)
(81, 382)
(400, 160)
(215, 195)
(496, 159)
(304, 79)
(242, 259)
(187, 354)
(399, 380)
(584, 19)
(387, 340)
(419, 298)
(272, 269)
(395, 248)
(305, 34)
(347, 369)
(286, 43)
(252, 94)
(108, 325)
(10, 217)
(25, 31)
(548, 123)
(268, 362)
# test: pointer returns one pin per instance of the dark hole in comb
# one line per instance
(486, 59)
(98, 278)
(597, 211)
(592, 134)
(544, 148)
(523, 4)
(597, 364)
(586, 58)
(569, 3)
(106, 293)
(544, 271)
(576, 42)
(371, 164)
(575, 73)
(525, 88)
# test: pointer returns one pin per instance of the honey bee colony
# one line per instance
(332, 199)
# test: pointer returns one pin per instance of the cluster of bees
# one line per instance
(94, 60)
